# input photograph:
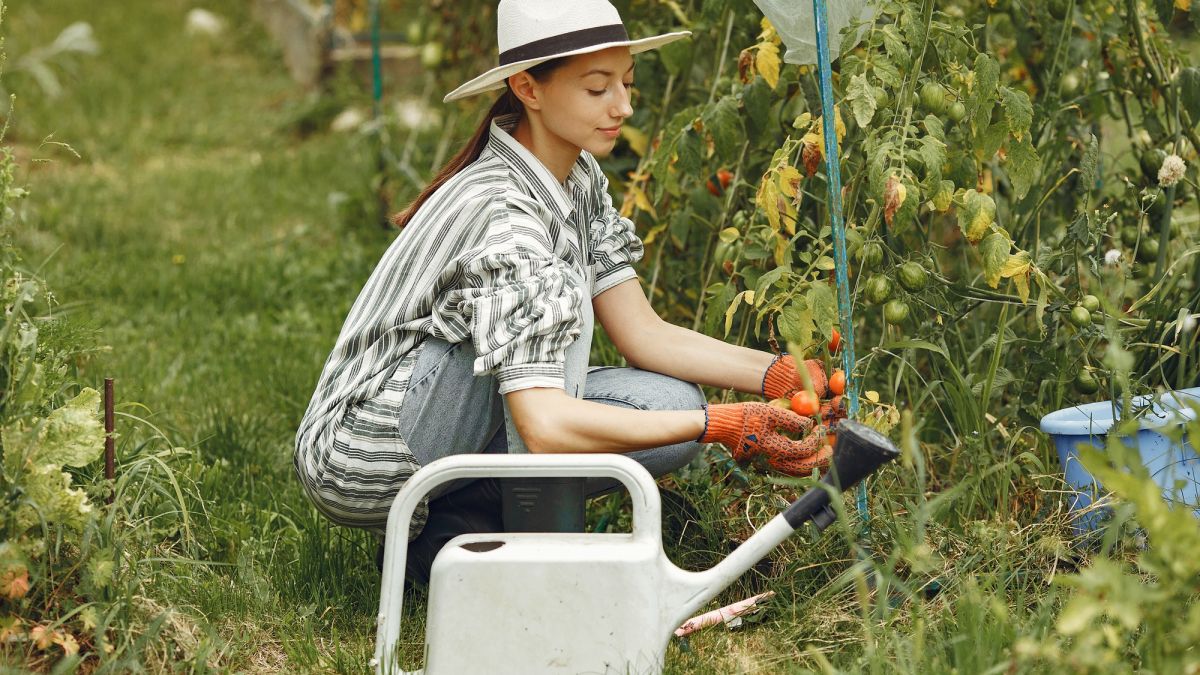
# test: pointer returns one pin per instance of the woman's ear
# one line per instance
(526, 89)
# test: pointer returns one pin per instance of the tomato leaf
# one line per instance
(994, 249)
(1018, 110)
(725, 124)
(675, 56)
(737, 301)
(767, 62)
(933, 156)
(796, 323)
(1022, 167)
(756, 98)
(976, 215)
(1090, 164)
(894, 44)
(861, 96)
(944, 196)
(765, 282)
(987, 76)
(992, 139)
(824, 307)
(915, 344)
(887, 72)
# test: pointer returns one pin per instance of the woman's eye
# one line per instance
(596, 93)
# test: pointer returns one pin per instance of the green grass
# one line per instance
(200, 236)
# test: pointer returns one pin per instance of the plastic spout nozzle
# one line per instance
(859, 452)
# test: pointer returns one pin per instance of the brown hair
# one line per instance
(507, 103)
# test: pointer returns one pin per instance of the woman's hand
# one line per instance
(782, 381)
(750, 429)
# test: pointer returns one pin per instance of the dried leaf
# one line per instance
(893, 197)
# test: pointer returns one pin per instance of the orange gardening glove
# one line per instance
(782, 381)
(833, 410)
(751, 429)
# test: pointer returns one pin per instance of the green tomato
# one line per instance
(1090, 302)
(1080, 316)
(1129, 236)
(957, 111)
(412, 32)
(933, 98)
(871, 255)
(881, 98)
(895, 312)
(727, 252)
(1151, 161)
(1148, 250)
(431, 54)
(912, 276)
(1085, 382)
(878, 289)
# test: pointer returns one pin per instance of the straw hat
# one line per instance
(529, 32)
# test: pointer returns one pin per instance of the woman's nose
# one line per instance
(624, 105)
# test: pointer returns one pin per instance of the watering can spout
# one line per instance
(859, 452)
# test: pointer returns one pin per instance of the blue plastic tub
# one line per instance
(1174, 466)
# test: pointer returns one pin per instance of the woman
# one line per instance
(473, 332)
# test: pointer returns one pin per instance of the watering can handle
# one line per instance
(647, 524)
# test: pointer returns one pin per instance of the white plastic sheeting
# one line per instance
(797, 26)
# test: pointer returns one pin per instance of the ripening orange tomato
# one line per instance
(805, 403)
(837, 382)
(835, 342)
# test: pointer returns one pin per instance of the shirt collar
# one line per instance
(538, 177)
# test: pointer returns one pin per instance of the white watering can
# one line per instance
(536, 602)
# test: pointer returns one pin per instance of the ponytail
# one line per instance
(508, 103)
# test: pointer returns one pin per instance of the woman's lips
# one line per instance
(611, 133)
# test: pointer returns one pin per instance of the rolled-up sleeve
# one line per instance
(523, 316)
(615, 244)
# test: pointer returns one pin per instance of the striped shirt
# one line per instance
(496, 256)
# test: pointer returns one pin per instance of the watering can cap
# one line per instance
(529, 32)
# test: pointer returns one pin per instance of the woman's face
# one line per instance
(586, 100)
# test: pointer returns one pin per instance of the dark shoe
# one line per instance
(471, 509)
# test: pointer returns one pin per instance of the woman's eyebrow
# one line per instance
(601, 71)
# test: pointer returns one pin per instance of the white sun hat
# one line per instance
(529, 32)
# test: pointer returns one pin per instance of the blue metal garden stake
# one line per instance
(834, 182)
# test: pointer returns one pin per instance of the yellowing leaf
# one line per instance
(641, 201)
(653, 233)
(1017, 268)
(976, 215)
(733, 308)
(729, 235)
(872, 396)
(768, 34)
(637, 139)
(783, 249)
(789, 180)
(767, 62)
(768, 200)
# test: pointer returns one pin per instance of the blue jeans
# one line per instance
(448, 410)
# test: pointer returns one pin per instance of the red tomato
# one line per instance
(805, 403)
(835, 342)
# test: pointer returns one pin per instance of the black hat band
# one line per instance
(566, 42)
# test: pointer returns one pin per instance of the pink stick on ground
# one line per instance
(720, 615)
